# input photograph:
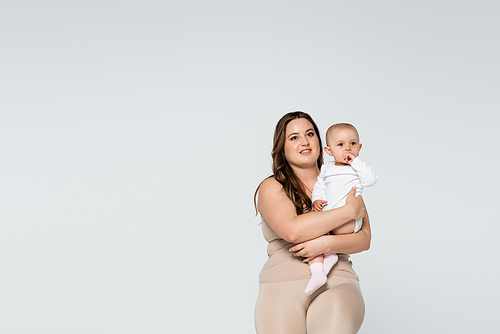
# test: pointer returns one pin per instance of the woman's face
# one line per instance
(301, 144)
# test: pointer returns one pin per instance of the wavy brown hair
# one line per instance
(283, 172)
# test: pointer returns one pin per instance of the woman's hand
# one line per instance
(356, 204)
(312, 248)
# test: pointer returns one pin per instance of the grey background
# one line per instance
(134, 133)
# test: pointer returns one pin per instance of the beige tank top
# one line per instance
(282, 266)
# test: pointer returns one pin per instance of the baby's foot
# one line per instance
(318, 278)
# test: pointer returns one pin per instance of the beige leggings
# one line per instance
(335, 308)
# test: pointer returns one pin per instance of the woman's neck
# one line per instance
(307, 176)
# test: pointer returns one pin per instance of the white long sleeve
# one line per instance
(367, 177)
(319, 189)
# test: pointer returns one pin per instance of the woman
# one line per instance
(296, 235)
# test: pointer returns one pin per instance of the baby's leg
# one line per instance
(317, 259)
(318, 277)
(329, 260)
(347, 228)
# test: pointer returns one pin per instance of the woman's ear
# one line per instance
(328, 151)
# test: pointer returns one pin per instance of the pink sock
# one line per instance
(329, 261)
(318, 278)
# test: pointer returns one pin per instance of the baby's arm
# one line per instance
(318, 205)
(319, 191)
(366, 175)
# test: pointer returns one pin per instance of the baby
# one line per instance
(332, 187)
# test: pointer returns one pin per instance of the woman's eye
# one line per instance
(294, 138)
(310, 134)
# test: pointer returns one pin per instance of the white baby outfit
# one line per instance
(335, 182)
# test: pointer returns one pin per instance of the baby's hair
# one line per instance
(340, 126)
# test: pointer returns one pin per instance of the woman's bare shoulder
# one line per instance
(270, 185)
(271, 194)
(269, 181)
(275, 206)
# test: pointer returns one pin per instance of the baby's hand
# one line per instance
(349, 157)
(318, 205)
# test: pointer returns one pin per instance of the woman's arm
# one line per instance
(344, 244)
(279, 212)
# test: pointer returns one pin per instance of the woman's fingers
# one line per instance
(296, 248)
(299, 250)
(362, 208)
(357, 204)
(352, 192)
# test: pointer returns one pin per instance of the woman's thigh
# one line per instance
(339, 309)
(281, 308)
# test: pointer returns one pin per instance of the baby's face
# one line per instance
(341, 141)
